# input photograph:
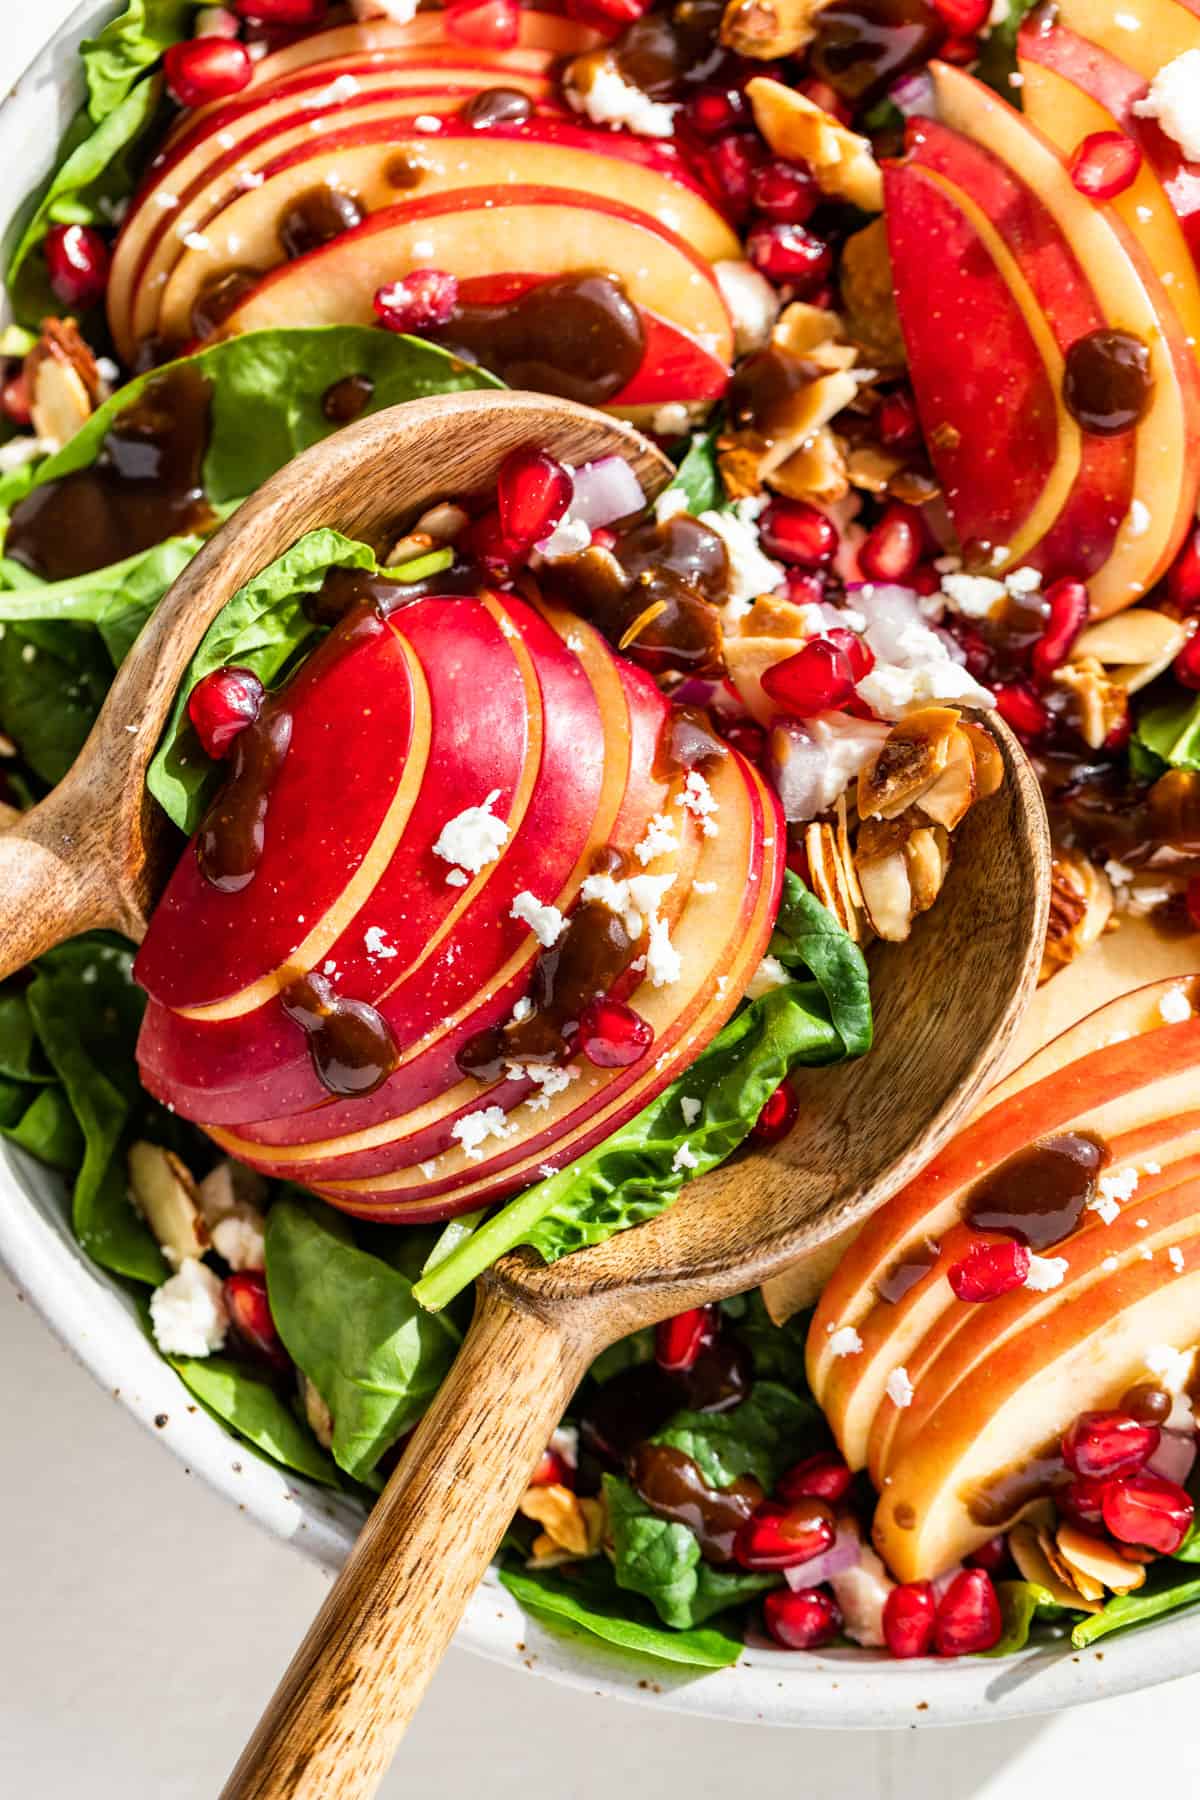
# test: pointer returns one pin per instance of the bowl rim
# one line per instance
(97, 1321)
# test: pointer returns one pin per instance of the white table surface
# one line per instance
(142, 1626)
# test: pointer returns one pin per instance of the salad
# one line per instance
(528, 861)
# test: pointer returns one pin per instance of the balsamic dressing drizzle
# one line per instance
(352, 1046)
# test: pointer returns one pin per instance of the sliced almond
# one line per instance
(443, 522)
(927, 855)
(227, 1189)
(949, 799)
(828, 877)
(764, 29)
(319, 1417)
(868, 298)
(816, 334)
(872, 469)
(64, 382)
(771, 617)
(882, 870)
(989, 764)
(1100, 701)
(799, 130)
(1024, 1542)
(816, 472)
(164, 1193)
(1134, 646)
(1095, 1560)
(408, 549)
(909, 761)
(1084, 1585)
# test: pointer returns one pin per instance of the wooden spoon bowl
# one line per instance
(946, 1005)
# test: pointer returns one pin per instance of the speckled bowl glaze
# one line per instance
(97, 1321)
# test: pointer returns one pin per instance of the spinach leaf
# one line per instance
(698, 477)
(585, 1596)
(256, 1413)
(117, 599)
(47, 1128)
(635, 1173)
(350, 1323)
(1167, 1589)
(661, 1560)
(261, 628)
(762, 1437)
(808, 936)
(1022, 1604)
(1167, 737)
(19, 1057)
(998, 51)
(778, 1350)
(98, 167)
(128, 46)
(631, 1352)
(53, 679)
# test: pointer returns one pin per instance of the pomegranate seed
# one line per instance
(221, 705)
(896, 421)
(552, 1471)
(714, 111)
(679, 1341)
(1193, 901)
(250, 1316)
(910, 1619)
(14, 400)
(804, 587)
(959, 50)
(533, 492)
(1105, 164)
(858, 652)
(1082, 1500)
(1149, 1511)
(1183, 581)
(974, 647)
(991, 1556)
(789, 254)
(799, 533)
(1069, 606)
(817, 679)
(827, 98)
(618, 12)
(207, 68)
(968, 1616)
(488, 544)
(1186, 667)
(494, 24)
(963, 17)
(729, 169)
(824, 1476)
(1108, 1443)
(612, 1035)
(801, 1618)
(777, 1117)
(990, 1268)
(783, 1537)
(751, 740)
(786, 191)
(925, 580)
(423, 299)
(1021, 709)
(603, 538)
(77, 258)
(894, 546)
(281, 12)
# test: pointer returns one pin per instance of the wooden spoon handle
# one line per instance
(54, 880)
(333, 1723)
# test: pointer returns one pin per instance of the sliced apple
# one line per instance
(535, 231)
(1146, 34)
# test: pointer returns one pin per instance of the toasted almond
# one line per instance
(747, 660)
(989, 764)
(1026, 1545)
(772, 617)
(882, 870)
(764, 29)
(443, 522)
(799, 130)
(846, 851)
(1134, 646)
(64, 382)
(948, 800)
(872, 469)
(1084, 1584)
(319, 1417)
(1097, 1560)
(1100, 701)
(228, 1189)
(816, 334)
(816, 472)
(164, 1193)
(828, 876)
(868, 298)
(927, 855)
(408, 549)
(911, 758)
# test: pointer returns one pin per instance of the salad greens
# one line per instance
(257, 1413)
(585, 1599)
(128, 46)
(1166, 737)
(661, 1560)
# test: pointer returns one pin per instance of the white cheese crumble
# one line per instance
(188, 1311)
(634, 900)
(974, 596)
(685, 1158)
(457, 878)
(697, 798)
(1170, 1366)
(1112, 1189)
(1175, 1258)
(549, 1078)
(769, 974)
(473, 837)
(899, 1387)
(1045, 1272)
(845, 1341)
(546, 923)
(239, 1238)
(569, 537)
(659, 839)
(914, 668)
(1174, 100)
(663, 962)
(522, 1010)
(375, 939)
(751, 573)
(473, 1130)
(671, 419)
(753, 305)
(691, 1108)
(611, 100)
(1174, 1007)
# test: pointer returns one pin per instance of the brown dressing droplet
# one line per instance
(229, 844)
(317, 217)
(674, 1486)
(497, 106)
(351, 1044)
(1107, 383)
(1039, 1194)
(579, 336)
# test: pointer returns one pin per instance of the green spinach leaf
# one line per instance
(585, 1596)
(1022, 1604)
(256, 1413)
(128, 46)
(1168, 1587)
(350, 1323)
(661, 1560)
(698, 476)
(807, 936)
(762, 1437)
(1167, 737)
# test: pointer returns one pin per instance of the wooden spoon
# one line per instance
(946, 1005)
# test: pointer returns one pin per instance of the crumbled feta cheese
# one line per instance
(1023, 581)
(663, 962)
(974, 596)
(1171, 1367)
(704, 887)
(753, 305)
(564, 1441)
(899, 1387)
(188, 1311)
(1045, 1272)
(239, 1239)
(697, 798)
(751, 573)
(769, 974)
(522, 1010)
(671, 419)
(659, 839)
(457, 878)
(1113, 1187)
(913, 668)
(546, 923)
(375, 939)
(1174, 1007)
(685, 1158)
(474, 1129)
(569, 537)
(473, 837)
(670, 503)
(630, 899)
(845, 1341)
(1175, 1258)
(611, 100)
(1174, 100)
(691, 1108)
(549, 1078)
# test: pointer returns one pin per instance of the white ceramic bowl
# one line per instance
(96, 1320)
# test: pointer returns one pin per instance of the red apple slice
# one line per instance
(535, 231)
(1146, 34)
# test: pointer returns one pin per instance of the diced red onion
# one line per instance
(913, 94)
(844, 1553)
(942, 1582)
(1174, 1457)
(605, 490)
